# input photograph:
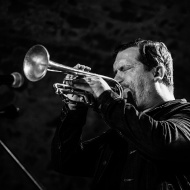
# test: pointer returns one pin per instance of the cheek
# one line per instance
(128, 79)
(140, 84)
(142, 89)
(129, 84)
(135, 82)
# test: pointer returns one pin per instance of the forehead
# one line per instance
(128, 56)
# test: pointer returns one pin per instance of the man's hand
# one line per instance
(94, 84)
(67, 80)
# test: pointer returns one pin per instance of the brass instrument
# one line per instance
(37, 62)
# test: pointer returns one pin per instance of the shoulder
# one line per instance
(170, 108)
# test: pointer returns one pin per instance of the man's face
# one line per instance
(133, 76)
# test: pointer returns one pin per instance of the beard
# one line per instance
(139, 93)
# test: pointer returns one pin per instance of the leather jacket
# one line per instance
(141, 150)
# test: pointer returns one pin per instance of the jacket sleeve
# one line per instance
(164, 140)
(68, 155)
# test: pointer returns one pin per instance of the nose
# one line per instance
(118, 77)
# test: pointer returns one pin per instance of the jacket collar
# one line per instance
(166, 104)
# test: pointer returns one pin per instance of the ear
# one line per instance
(159, 72)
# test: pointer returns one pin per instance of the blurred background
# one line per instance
(73, 31)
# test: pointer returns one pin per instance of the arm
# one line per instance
(69, 155)
(163, 140)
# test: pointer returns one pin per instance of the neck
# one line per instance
(160, 94)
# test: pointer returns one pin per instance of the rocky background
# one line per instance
(73, 31)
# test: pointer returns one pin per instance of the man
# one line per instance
(147, 145)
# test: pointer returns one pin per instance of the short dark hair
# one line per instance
(152, 53)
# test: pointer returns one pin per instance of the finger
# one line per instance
(91, 79)
(82, 85)
(77, 66)
(88, 79)
(82, 67)
(67, 78)
(87, 68)
(79, 81)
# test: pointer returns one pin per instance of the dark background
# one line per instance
(86, 32)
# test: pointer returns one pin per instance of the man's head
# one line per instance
(140, 64)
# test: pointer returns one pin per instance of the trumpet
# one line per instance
(37, 62)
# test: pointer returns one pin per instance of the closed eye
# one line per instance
(123, 68)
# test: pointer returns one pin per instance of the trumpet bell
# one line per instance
(36, 63)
